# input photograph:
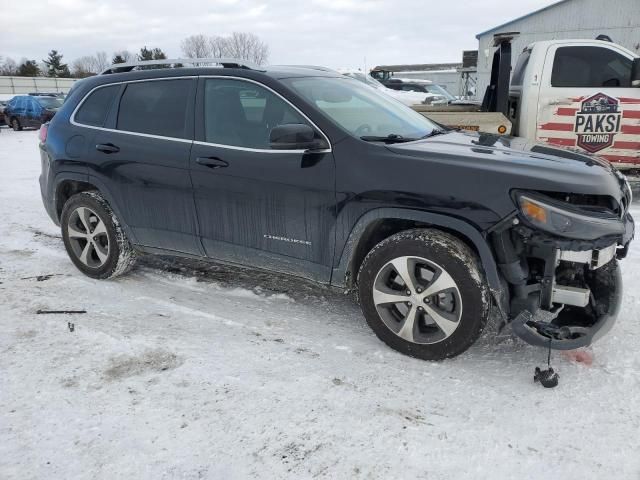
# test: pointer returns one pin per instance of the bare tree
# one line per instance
(102, 61)
(84, 67)
(196, 46)
(218, 47)
(247, 46)
(9, 67)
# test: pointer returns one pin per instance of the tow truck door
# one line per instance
(586, 101)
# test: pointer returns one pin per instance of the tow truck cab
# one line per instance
(580, 94)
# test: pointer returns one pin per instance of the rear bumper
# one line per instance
(46, 186)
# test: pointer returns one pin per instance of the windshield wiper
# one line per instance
(391, 138)
(434, 132)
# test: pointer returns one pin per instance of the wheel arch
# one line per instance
(376, 225)
(69, 184)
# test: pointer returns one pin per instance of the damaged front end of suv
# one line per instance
(559, 254)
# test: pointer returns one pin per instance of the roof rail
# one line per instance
(311, 67)
(224, 62)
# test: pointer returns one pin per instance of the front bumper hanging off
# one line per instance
(569, 337)
(564, 294)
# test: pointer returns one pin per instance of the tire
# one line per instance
(106, 251)
(15, 124)
(448, 298)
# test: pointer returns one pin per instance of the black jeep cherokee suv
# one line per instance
(304, 171)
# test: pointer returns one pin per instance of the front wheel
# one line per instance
(93, 237)
(423, 293)
(15, 124)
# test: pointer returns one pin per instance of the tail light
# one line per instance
(42, 134)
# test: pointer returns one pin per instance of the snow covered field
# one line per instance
(187, 370)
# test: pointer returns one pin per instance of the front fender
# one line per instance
(343, 270)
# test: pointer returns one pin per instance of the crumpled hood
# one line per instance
(516, 163)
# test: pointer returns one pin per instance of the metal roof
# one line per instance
(521, 18)
(426, 67)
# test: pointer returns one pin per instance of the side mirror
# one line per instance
(635, 72)
(293, 136)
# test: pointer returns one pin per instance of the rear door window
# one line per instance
(590, 67)
(95, 108)
(156, 107)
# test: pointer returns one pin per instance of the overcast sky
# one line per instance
(335, 33)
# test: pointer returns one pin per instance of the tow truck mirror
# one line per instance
(635, 72)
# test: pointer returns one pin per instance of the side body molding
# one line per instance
(342, 272)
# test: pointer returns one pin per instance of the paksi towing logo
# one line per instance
(597, 122)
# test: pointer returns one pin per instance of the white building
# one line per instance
(618, 19)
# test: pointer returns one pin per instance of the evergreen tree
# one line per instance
(152, 54)
(28, 68)
(118, 59)
(145, 54)
(55, 67)
(159, 54)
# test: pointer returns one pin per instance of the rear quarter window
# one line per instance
(521, 67)
(155, 107)
(95, 108)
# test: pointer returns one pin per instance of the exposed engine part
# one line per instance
(594, 258)
(564, 295)
(560, 297)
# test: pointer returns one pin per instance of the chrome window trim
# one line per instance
(260, 150)
(72, 119)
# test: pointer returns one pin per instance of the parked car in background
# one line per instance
(3, 104)
(407, 97)
(436, 94)
(31, 110)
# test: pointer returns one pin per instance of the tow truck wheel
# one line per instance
(423, 293)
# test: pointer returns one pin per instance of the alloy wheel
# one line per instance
(417, 300)
(88, 237)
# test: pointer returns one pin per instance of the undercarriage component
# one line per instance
(576, 296)
(594, 258)
(560, 298)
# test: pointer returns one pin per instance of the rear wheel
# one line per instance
(423, 294)
(93, 237)
(15, 124)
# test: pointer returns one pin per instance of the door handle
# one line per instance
(211, 162)
(107, 148)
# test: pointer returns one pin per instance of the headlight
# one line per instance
(564, 220)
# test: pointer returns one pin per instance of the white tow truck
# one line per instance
(578, 94)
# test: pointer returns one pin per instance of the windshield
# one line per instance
(438, 90)
(50, 102)
(368, 79)
(361, 110)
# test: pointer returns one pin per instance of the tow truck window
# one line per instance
(589, 67)
(521, 66)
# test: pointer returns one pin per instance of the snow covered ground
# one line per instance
(187, 370)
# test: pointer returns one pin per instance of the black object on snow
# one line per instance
(59, 312)
(548, 378)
